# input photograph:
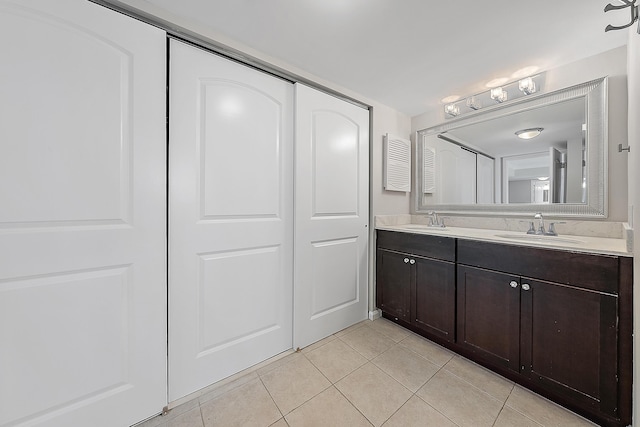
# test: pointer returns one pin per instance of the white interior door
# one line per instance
(332, 215)
(231, 219)
(82, 216)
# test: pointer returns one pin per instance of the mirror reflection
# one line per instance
(488, 162)
(536, 152)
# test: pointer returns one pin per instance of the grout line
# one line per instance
(201, 414)
(352, 404)
(272, 399)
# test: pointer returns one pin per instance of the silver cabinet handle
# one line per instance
(525, 287)
(406, 260)
(514, 284)
(413, 261)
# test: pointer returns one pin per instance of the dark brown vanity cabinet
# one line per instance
(416, 281)
(556, 317)
(555, 321)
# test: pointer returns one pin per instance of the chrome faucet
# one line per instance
(552, 228)
(434, 221)
(540, 229)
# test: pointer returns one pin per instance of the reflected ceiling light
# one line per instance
(497, 82)
(529, 133)
(527, 86)
(474, 103)
(451, 98)
(498, 95)
(543, 178)
(452, 109)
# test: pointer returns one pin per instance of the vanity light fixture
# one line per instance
(498, 95)
(452, 109)
(529, 133)
(474, 103)
(527, 86)
(502, 92)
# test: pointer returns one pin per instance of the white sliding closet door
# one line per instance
(332, 215)
(231, 218)
(82, 216)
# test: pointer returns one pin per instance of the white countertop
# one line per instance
(585, 244)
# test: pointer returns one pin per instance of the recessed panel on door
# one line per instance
(335, 165)
(232, 115)
(56, 187)
(84, 311)
(335, 275)
(224, 278)
(82, 223)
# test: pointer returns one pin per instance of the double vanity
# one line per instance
(552, 313)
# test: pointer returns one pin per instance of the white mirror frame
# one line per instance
(595, 95)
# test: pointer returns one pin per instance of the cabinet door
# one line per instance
(489, 315)
(569, 342)
(435, 297)
(393, 286)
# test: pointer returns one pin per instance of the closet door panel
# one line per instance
(332, 215)
(82, 224)
(230, 209)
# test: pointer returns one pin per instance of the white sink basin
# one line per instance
(539, 238)
(423, 227)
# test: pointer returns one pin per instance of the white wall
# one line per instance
(613, 64)
(634, 197)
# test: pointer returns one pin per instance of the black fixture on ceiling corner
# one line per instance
(631, 4)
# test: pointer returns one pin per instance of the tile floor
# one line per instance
(371, 374)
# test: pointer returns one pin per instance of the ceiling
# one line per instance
(409, 54)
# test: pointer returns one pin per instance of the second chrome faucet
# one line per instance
(540, 230)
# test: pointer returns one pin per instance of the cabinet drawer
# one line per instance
(437, 247)
(596, 272)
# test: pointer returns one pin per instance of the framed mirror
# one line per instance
(541, 153)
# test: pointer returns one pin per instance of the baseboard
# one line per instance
(373, 315)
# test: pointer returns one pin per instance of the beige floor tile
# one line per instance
(245, 406)
(282, 361)
(543, 411)
(485, 380)
(425, 348)
(192, 418)
(511, 418)
(373, 393)
(390, 329)
(280, 423)
(329, 408)
(318, 344)
(368, 342)
(226, 387)
(336, 360)
(351, 328)
(459, 401)
(416, 413)
(407, 367)
(294, 383)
